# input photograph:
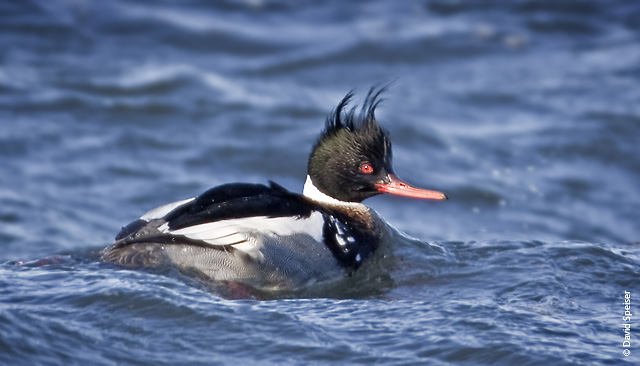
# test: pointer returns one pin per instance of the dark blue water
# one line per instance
(527, 113)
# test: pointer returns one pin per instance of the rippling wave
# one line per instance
(525, 113)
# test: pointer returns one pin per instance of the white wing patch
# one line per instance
(244, 234)
(162, 211)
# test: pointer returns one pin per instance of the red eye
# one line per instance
(366, 168)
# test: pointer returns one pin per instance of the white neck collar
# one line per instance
(313, 193)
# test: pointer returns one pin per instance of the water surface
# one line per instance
(525, 113)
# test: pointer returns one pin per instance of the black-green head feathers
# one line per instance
(353, 152)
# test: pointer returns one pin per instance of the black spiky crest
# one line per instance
(342, 119)
(349, 139)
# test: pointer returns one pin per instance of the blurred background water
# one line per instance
(527, 113)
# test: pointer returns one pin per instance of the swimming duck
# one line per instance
(272, 239)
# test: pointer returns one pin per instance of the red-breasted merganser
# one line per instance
(270, 238)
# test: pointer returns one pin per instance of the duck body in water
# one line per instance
(269, 238)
